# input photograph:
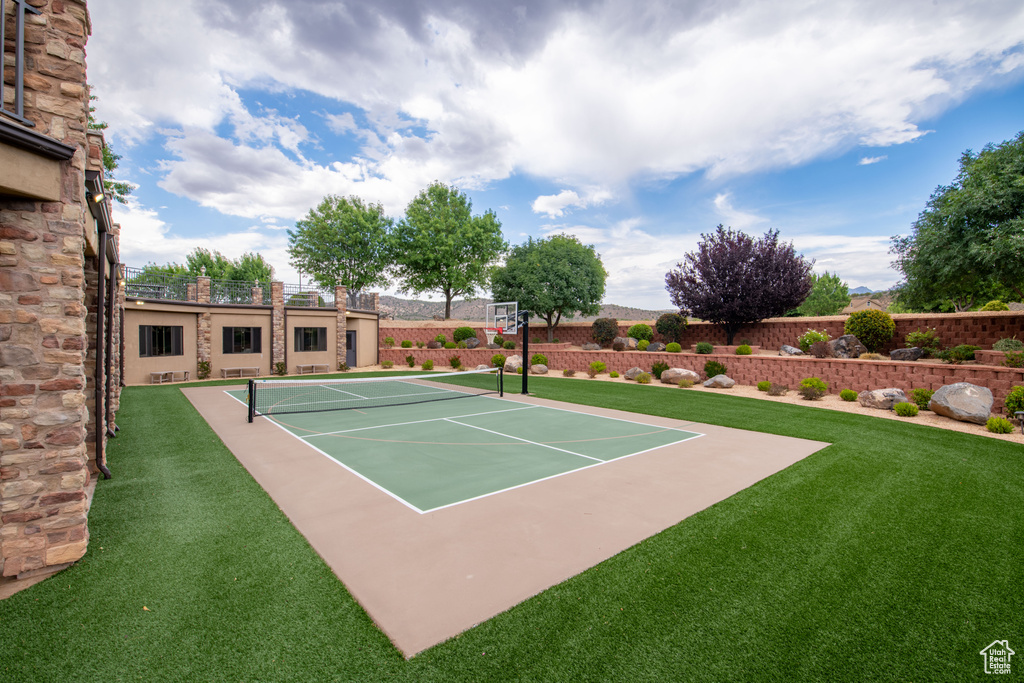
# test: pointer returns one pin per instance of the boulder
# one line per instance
(847, 346)
(962, 401)
(482, 366)
(673, 375)
(656, 346)
(539, 369)
(720, 382)
(883, 399)
(913, 353)
(787, 350)
(591, 346)
(494, 346)
(432, 344)
(472, 342)
(632, 372)
(513, 363)
(627, 342)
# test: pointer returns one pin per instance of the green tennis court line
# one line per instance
(441, 454)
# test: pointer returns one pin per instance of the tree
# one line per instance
(733, 280)
(441, 246)
(343, 240)
(969, 240)
(117, 189)
(552, 278)
(829, 296)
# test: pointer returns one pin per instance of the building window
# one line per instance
(243, 340)
(310, 338)
(159, 340)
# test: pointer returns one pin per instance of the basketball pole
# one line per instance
(525, 317)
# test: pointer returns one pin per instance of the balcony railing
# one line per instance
(296, 295)
(359, 302)
(147, 283)
(239, 292)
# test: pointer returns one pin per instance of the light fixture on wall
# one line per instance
(139, 302)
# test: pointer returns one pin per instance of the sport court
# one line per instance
(433, 452)
(424, 577)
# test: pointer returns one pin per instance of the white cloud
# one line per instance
(556, 205)
(733, 217)
(866, 161)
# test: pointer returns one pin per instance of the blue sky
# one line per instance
(634, 127)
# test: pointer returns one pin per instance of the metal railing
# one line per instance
(238, 292)
(359, 302)
(148, 283)
(296, 295)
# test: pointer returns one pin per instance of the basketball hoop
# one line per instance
(491, 333)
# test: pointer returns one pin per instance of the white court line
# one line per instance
(413, 422)
(509, 436)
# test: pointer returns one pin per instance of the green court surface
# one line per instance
(433, 455)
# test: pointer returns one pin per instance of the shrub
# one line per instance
(618, 346)
(343, 367)
(613, 374)
(428, 364)
(813, 388)
(568, 373)
(905, 409)
(704, 347)
(203, 369)
(280, 368)
(872, 356)
(820, 349)
(1014, 360)
(519, 370)
(778, 389)
(538, 359)
(509, 344)
(596, 368)
(455, 362)
(999, 425)
(1007, 345)
(535, 340)
(498, 360)
(387, 364)
(927, 340)
(673, 347)
(995, 305)
(670, 326)
(450, 345)
(1014, 401)
(406, 344)
(642, 345)
(411, 360)
(555, 340)
(921, 397)
(805, 340)
(848, 395)
(641, 331)
(643, 378)
(420, 345)
(744, 350)
(764, 385)
(499, 340)
(604, 330)
(389, 342)
(659, 368)
(441, 339)
(873, 328)
(685, 383)
(713, 367)
(463, 333)
(461, 345)
(958, 354)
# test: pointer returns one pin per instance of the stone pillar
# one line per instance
(203, 289)
(376, 301)
(341, 306)
(190, 291)
(277, 349)
(257, 295)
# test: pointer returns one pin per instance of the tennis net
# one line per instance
(280, 396)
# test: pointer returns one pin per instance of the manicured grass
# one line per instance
(894, 554)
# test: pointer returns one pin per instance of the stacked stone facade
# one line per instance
(341, 303)
(49, 309)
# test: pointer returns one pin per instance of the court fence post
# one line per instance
(526, 350)
(252, 398)
(501, 381)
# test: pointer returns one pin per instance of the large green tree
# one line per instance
(441, 246)
(117, 189)
(343, 240)
(552, 278)
(969, 240)
(829, 296)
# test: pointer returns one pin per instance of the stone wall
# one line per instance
(46, 248)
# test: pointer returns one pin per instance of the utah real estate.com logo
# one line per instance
(997, 657)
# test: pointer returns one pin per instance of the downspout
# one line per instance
(100, 353)
(111, 301)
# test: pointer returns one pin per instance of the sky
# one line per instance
(634, 126)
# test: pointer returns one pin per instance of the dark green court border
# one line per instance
(435, 455)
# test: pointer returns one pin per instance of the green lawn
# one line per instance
(897, 553)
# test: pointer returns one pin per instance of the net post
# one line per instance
(501, 382)
(252, 398)
(526, 350)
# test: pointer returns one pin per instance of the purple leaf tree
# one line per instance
(734, 280)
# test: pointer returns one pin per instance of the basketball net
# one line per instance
(491, 333)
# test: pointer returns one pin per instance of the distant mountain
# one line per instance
(862, 290)
(475, 310)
